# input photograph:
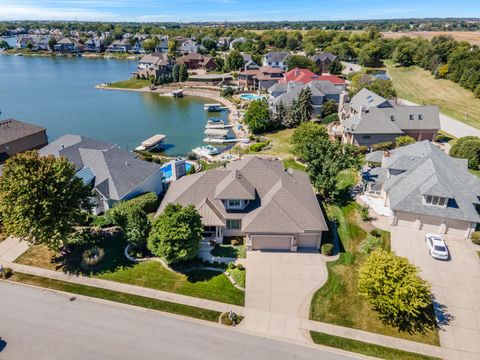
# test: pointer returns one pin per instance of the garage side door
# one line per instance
(406, 220)
(307, 240)
(271, 242)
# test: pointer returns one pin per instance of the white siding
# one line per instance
(154, 183)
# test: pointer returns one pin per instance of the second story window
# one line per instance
(234, 203)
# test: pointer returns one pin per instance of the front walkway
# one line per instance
(11, 248)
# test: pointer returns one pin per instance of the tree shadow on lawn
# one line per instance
(114, 246)
(199, 275)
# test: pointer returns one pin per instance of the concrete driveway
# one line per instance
(455, 284)
(283, 282)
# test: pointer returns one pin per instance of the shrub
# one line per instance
(231, 265)
(240, 267)
(387, 145)
(327, 249)
(376, 233)
(228, 92)
(393, 288)
(235, 242)
(192, 156)
(259, 146)
(92, 257)
(404, 141)
(362, 149)
(329, 119)
(468, 148)
(364, 213)
(119, 213)
(6, 273)
(476, 237)
(370, 243)
(101, 221)
(230, 318)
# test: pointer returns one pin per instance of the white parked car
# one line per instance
(436, 246)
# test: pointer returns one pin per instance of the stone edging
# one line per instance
(165, 265)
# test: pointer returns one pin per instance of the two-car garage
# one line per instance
(285, 242)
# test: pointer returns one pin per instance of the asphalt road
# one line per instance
(39, 324)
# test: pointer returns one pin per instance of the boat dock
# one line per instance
(156, 142)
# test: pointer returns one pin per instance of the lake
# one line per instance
(60, 94)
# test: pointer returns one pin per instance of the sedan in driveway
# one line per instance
(436, 246)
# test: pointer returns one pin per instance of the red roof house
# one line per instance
(303, 76)
(335, 80)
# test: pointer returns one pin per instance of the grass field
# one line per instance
(473, 37)
(419, 86)
(120, 297)
(280, 145)
(360, 347)
(130, 84)
(338, 301)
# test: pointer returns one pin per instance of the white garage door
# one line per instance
(431, 224)
(307, 241)
(271, 242)
(406, 220)
(457, 227)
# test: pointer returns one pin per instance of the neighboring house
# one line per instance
(195, 61)
(267, 77)
(68, 45)
(363, 100)
(276, 209)
(298, 75)
(120, 46)
(23, 41)
(324, 60)
(425, 189)
(276, 59)
(189, 46)
(224, 41)
(94, 45)
(154, 64)
(115, 174)
(162, 44)
(249, 63)
(339, 83)
(288, 93)
(18, 136)
(370, 119)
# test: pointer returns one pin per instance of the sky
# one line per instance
(232, 10)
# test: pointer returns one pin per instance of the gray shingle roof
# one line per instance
(235, 186)
(116, 171)
(11, 130)
(367, 99)
(432, 172)
(277, 56)
(284, 201)
(394, 120)
(323, 56)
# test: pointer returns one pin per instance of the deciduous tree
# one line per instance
(41, 199)
(176, 233)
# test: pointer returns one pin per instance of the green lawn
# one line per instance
(204, 284)
(130, 84)
(223, 250)
(239, 276)
(338, 301)
(199, 283)
(364, 348)
(346, 179)
(292, 164)
(208, 165)
(280, 145)
(120, 297)
(418, 85)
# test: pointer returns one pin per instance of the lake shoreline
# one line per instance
(204, 93)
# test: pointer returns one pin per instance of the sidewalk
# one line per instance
(11, 248)
(126, 288)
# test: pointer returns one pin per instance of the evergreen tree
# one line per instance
(182, 73)
(175, 73)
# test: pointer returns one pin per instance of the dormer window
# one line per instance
(435, 200)
(412, 117)
(234, 203)
(420, 117)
